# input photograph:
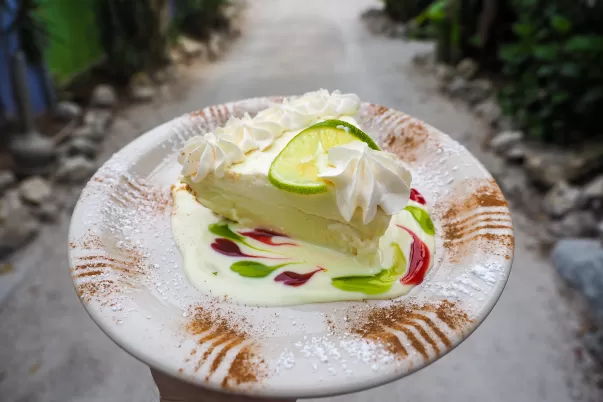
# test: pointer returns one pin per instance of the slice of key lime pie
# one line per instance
(303, 168)
(298, 204)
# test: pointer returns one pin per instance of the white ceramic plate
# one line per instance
(127, 271)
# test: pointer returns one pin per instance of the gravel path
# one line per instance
(521, 353)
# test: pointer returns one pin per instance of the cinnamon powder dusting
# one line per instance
(198, 113)
(463, 223)
(377, 110)
(134, 193)
(406, 136)
(129, 264)
(217, 337)
(419, 325)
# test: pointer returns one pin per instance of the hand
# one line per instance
(174, 390)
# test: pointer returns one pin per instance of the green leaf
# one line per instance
(222, 230)
(559, 97)
(560, 23)
(545, 52)
(512, 53)
(476, 41)
(254, 269)
(590, 98)
(423, 218)
(523, 29)
(570, 69)
(584, 43)
(546, 70)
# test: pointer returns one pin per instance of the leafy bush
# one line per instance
(132, 35)
(467, 28)
(199, 17)
(29, 27)
(554, 69)
(405, 10)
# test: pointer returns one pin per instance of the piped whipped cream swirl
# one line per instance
(204, 154)
(322, 104)
(250, 134)
(365, 178)
(287, 115)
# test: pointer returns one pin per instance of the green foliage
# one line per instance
(29, 27)
(132, 35)
(553, 69)
(405, 10)
(198, 18)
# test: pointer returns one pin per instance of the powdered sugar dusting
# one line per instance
(329, 345)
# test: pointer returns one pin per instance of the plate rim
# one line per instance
(359, 383)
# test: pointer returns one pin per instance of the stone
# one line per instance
(542, 171)
(104, 95)
(35, 190)
(191, 47)
(214, 45)
(142, 93)
(593, 342)
(98, 119)
(587, 161)
(399, 31)
(32, 154)
(548, 165)
(444, 73)
(593, 191)
(489, 111)
(17, 225)
(47, 212)
(89, 133)
(7, 179)
(561, 199)
(175, 55)
(75, 169)
(83, 146)
(230, 11)
(516, 154)
(575, 224)
(478, 90)
(457, 88)
(503, 141)
(378, 24)
(514, 184)
(372, 13)
(467, 68)
(68, 111)
(580, 263)
(496, 166)
(234, 28)
(506, 123)
(423, 59)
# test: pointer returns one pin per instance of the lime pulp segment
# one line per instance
(297, 166)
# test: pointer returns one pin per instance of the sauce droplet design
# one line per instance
(266, 236)
(418, 261)
(417, 197)
(230, 248)
(291, 278)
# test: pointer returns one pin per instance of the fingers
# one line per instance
(174, 390)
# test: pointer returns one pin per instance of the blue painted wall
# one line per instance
(35, 80)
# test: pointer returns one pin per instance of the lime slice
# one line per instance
(296, 168)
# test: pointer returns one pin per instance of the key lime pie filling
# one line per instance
(299, 205)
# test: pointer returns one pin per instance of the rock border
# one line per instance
(560, 191)
(27, 203)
